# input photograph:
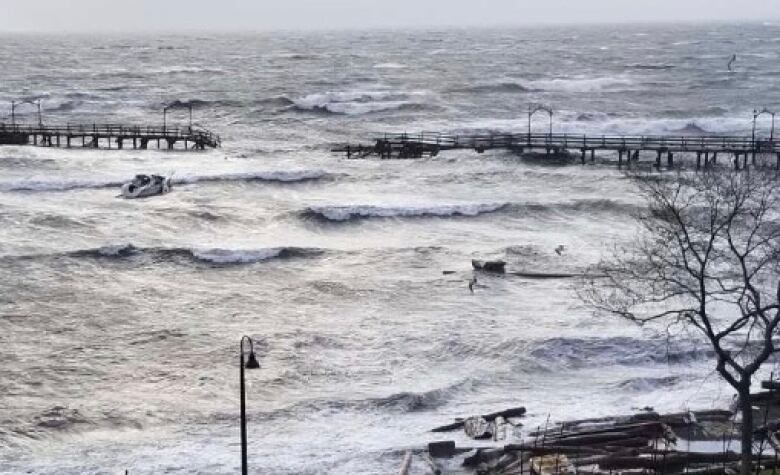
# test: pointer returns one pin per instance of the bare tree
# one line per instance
(708, 258)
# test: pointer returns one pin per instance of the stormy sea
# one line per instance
(120, 319)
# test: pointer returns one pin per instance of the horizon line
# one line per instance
(386, 28)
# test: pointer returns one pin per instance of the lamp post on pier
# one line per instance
(756, 115)
(174, 105)
(250, 363)
(533, 109)
(36, 102)
(165, 117)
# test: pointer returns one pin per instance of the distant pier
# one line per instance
(740, 151)
(108, 136)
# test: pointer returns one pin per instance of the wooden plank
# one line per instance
(406, 464)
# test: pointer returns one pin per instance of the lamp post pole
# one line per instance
(533, 109)
(551, 118)
(756, 114)
(251, 363)
(40, 120)
(13, 113)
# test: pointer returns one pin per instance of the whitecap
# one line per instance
(348, 212)
(236, 256)
(389, 66)
(359, 102)
(581, 84)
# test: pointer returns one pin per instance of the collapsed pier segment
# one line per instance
(707, 148)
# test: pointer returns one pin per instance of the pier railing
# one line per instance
(112, 132)
(584, 141)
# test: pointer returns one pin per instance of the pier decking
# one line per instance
(108, 136)
(706, 148)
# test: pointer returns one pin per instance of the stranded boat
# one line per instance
(146, 185)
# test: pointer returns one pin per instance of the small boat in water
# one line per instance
(146, 185)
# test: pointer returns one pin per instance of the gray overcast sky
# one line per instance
(139, 15)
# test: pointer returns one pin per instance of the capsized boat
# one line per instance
(146, 185)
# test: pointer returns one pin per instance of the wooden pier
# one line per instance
(108, 136)
(742, 151)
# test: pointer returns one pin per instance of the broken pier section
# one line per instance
(663, 148)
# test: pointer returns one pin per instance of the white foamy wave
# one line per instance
(346, 213)
(605, 124)
(208, 255)
(282, 176)
(285, 176)
(232, 256)
(581, 84)
(389, 66)
(185, 70)
(359, 102)
(34, 184)
(116, 250)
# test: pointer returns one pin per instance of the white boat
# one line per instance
(146, 185)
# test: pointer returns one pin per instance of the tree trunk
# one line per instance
(746, 408)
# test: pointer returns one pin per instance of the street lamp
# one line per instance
(533, 109)
(165, 116)
(756, 115)
(251, 363)
(13, 110)
(174, 105)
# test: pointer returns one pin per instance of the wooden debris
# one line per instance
(406, 464)
(478, 428)
(506, 414)
(551, 464)
(444, 449)
(629, 445)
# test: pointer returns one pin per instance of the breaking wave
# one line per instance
(649, 384)
(210, 256)
(344, 213)
(360, 102)
(389, 65)
(281, 176)
(590, 352)
(581, 84)
(501, 87)
(348, 213)
(402, 402)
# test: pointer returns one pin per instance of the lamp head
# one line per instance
(251, 362)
